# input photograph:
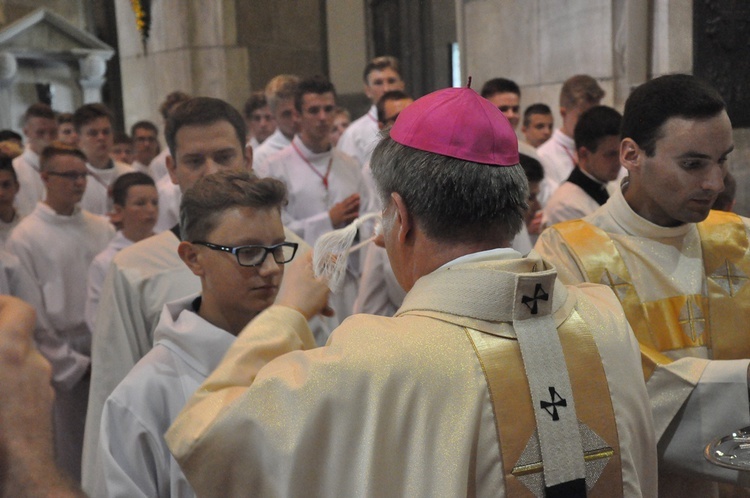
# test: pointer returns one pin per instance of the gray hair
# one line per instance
(452, 200)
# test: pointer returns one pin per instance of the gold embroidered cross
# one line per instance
(731, 279)
(618, 285)
(691, 319)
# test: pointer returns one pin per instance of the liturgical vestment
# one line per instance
(659, 274)
(401, 406)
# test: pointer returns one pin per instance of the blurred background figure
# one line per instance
(341, 121)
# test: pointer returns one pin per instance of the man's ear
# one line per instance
(631, 155)
(368, 92)
(189, 255)
(171, 168)
(116, 214)
(404, 219)
(249, 157)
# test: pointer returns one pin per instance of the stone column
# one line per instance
(92, 70)
(8, 72)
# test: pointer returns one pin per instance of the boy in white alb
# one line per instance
(235, 243)
(136, 206)
(56, 243)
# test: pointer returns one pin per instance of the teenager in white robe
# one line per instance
(136, 204)
(326, 188)
(56, 244)
(40, 129)
(280, 93)
(193, 333)
(145, 276)
(652, 222)
(32, 186)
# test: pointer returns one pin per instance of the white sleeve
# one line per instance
(129, 454)
(716, 406)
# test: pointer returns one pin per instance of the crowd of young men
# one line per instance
(486, 373)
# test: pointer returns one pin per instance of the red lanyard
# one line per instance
(572, 159)
(324, 178)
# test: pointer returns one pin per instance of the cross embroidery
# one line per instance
(731, 279)
(619, 286)
(551, 406)
(531, 302)
(692, 320)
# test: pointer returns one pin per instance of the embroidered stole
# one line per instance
(678, 322)
(505, 367)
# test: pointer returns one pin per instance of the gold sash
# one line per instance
(514, 416)
(658, 325)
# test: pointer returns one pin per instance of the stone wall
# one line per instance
(621, 43)
(192, 47)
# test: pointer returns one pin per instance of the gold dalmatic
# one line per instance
(717, 320)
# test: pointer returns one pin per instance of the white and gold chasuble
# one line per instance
(432, 402)
(684, 292)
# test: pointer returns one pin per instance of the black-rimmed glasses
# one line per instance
(256, 255)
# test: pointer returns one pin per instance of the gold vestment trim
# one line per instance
(501, 362)
(677, 322)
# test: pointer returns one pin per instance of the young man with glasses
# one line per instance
(56, 244)
(234, 242)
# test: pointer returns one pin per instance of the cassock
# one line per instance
(135, 457)
(141, 280)
(57, 251)
(32, 187)
(659, 276)
(401, 406)
(360, 138)
(98, 272)
(270, 146)
(579, 196)
(142, 168)
(96, 197)
(315, 182)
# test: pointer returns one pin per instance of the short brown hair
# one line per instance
(88, 113)
(171, 102)
(58, 149)
(281, 87)
(212, 195)
(38, 110)
(380, 63)
(578, 89)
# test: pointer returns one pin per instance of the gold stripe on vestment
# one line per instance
(509, 390)
(678, 322)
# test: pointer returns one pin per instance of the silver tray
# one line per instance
(732, 451)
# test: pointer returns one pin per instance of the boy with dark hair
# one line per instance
(40, 129)
(9, 216)
(325, 185)
(122, 149)
(145, 146)
(136, 207)
(93, 123)
(506, 96)
(597, 139)
(56, 244)
(235, 244)
(66, 130)
(381, 74)
(537, 124)
(258, 118)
